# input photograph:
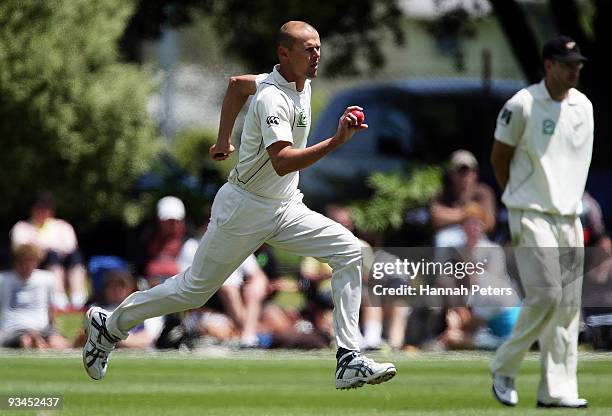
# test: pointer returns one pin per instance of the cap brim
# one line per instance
(573, 57)
(460, 166)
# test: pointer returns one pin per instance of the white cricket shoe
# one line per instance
(566, 403)
(100, 343)
(504, 391)
(354, 370)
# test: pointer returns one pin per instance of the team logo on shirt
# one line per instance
(302, 120)
(505, 116)
(548, 127)
(272, 120)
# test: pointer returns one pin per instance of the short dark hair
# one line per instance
(44, 200)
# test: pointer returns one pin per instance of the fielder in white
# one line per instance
(261, 203)
(541, 158)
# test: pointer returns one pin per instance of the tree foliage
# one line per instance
(72, 118)
(197, 142)
(587, 22)
(353, 31)
(394, 195)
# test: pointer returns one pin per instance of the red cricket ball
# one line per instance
(360, 116)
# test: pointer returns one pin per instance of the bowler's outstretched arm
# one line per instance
(238, 90)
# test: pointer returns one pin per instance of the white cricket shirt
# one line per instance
(278, 112)
(24, 304)
(554, 143)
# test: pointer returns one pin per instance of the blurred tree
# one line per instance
(394, 195)
(192, 142)
(354, 32)
(72, 118)
(592, 31)
(449, 30)
(585, 21)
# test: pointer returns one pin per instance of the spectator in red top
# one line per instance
(164, 247)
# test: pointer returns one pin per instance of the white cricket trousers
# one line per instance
(550, 258)
(241, 222)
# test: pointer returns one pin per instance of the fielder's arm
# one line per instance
(501, 156)
(238, 90)
(285, 159)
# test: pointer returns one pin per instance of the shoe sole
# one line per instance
(505, 403)
(357, 382)
(87, 325)
(557, 406)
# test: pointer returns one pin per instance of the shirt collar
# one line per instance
(281, 81)
(542, 93)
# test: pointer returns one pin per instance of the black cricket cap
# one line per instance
(563, 49)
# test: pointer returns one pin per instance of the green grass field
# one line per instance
(268, 383)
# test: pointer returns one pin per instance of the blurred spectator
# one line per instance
(597, 293)
(488, 319)
(241, 297)
(315, 284)
(309, 328)
(341, 215)
(164, 246)
(118, 285)
(190, 245)
(592, 219)
(98, 268)
(58, 241)
(315, 279)
(383, 312)
(461, 186)
(209, 323)
(269, 264)
(26, 293)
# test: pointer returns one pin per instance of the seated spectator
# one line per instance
(597, 293)
(164, 246)
(315, 284)
(377, 318)
(241, 300)
(118, 285)
(382, 315)
(310, 328)
(461, 187)
(26, 313)
(98, 268)
(190, 245)
(592, 220)
(58, 241)
(487, 320)
(241, 297)
(269, 264)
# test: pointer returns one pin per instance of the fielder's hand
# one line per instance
(219, 153)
